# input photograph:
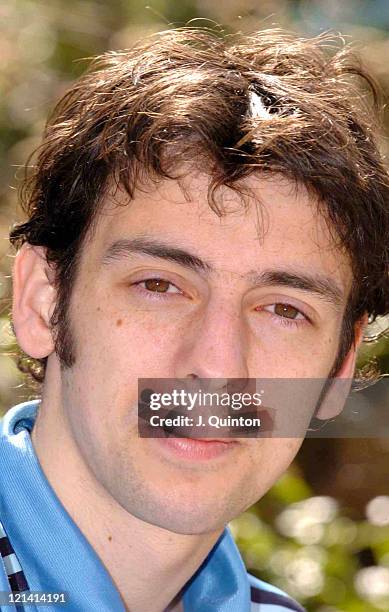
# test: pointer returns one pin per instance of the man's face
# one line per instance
(227, 318)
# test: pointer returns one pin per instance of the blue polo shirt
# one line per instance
(42, 549)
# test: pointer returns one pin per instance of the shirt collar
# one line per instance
(56, 556)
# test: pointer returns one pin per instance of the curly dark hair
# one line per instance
(270, 102)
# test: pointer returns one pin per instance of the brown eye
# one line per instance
(286, 310)
(157, 284)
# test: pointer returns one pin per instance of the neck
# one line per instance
(149, 565)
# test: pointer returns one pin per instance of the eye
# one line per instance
(285, 314)
(286, 311)
(158, 285)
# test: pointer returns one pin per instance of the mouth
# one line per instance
(194, 449)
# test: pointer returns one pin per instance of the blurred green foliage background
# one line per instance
(322, 532)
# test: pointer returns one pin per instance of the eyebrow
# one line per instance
(154, 248)
(321, 285)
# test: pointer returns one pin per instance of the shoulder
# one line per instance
(267, 598)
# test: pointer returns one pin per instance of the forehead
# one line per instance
(275, 223)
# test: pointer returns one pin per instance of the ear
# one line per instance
(34, 298)
(339, 389)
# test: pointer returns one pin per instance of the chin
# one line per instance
(189, 514)
(188, 524)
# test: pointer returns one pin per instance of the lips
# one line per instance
(195, 449)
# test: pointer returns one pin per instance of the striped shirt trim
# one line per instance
(16, 578)
(11, 563)
(260, 596)
(5, 546)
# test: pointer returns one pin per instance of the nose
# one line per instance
(214, 346)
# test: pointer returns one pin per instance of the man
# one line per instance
(201, 208)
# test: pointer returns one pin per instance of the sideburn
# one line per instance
(64, 341)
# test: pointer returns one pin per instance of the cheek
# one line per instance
(272, 460)
(151, 342)
(292, 354)
(325, 351)
(128, 344)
